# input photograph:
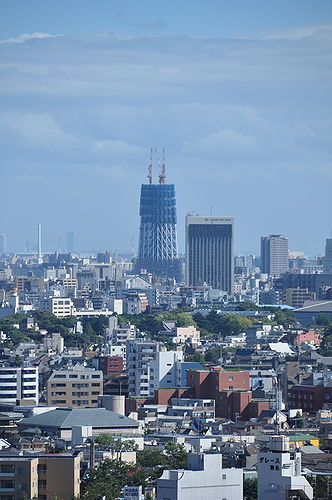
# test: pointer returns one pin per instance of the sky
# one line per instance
(238, 94)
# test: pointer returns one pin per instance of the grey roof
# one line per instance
(316, 306)
(65, 418)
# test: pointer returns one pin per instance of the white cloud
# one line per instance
(34, 130)
(115, 147)
(26, 37)
(227, 141)
(297, 33)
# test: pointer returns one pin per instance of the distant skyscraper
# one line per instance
(328, 256)
(3, 243)
(157, 250)
(70, 242)
(274, 254)
(40, 257)
(209, 251)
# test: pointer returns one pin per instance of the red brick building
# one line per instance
(230, 390)
(309, 397)
(110, 365)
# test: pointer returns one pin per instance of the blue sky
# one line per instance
(238, 93)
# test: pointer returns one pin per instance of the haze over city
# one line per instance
(238, 95)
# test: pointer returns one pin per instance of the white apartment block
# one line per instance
(150, 368)
(18, 383)
(59, 306)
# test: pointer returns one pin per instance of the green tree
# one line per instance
(299, 421)
(150, 457)
(197, 357)
(176, 455)
(250, 489)
(109, 478)
(115, 444)
(324, 320)
(326, 343)
(213, 355)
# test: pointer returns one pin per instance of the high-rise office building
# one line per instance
(3, 243)
(157, 250)
(70, 242)
(209, 251)
(327, 264)
(274, 254)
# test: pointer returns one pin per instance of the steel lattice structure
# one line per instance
(157, 250)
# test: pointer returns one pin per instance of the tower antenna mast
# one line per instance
(162, 176)
(150, 168)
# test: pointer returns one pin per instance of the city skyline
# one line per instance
(240, 102)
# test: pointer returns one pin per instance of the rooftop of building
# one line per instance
(66, 418)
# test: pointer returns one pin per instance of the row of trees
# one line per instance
(93, 329)
(109, 478)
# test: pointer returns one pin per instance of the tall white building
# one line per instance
(150, 368)
(274, 254)
(210, 252)
(18, 383)
(279, 473)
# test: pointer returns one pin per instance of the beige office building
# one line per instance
(44, 477)
(75, 387)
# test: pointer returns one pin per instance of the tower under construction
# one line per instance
(157, 249)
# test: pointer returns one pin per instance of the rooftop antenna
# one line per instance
(162, 176)
(150, 168)
(278, 407)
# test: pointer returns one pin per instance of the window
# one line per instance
(73, 376)
(6, 483)
(95, 376)
(224, 476)
(7, 469)
(42, 483)
(230, 378)
(95, 384)
(41, 468)
(59, 375)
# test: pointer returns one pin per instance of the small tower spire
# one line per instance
(150, 168)
(162, 176)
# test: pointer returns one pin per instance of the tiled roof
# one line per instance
(65, 418)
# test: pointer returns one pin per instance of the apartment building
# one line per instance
(43, 476)
(75, 387)
(296, 297)
(109, 365)
(18, 384)
(59, 306)
(150, 368)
